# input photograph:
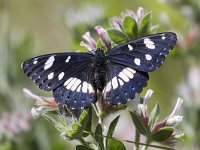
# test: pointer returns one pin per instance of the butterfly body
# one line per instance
(77, 78)
(99, 68)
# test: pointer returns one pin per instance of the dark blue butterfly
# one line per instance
(77, 79)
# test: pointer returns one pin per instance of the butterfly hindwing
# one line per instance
(144, 54)
(77, 91)
(51, 70)
(123, 83)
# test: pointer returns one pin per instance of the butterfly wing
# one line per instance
(51, 70)
(69, 75)
(145, 54)
(123, 83)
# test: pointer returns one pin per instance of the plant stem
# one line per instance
(147, 144)
(83, 142)
(137, 139)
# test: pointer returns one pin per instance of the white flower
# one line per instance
(142, 108)
(42, 104)
(103, 36)
(90, 43)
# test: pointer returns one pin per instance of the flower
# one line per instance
(90, 43)
(117, 22)
(103, 35)
(42, 104)
(147, 125)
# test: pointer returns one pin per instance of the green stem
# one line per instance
(137, 139)
(147, 144)
(98, 112)
(83, 142)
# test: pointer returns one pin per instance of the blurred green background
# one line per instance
(35, 27)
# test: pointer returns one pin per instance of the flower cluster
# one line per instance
(126, 27)
(148, 125)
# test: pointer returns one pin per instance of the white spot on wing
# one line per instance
(149, 44)
(49, 62)
(68, 59)
(84, 87)
(148, 57)
(50, 76)
(67, 82)
(61, 75)
(35, 61)
(131, 70)
(137, 61)
(114, 83)
(120, 82)
(108, 87)
(128, 73)
(130, 47)
(123, 76)
(76, 84)
(79, 88)
(163, 37)
(71, 83)
(90, 89)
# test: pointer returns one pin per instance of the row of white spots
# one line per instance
(77, 85)
(124, 76)
(68, 59)
(149, 44)
(130, 47)
(49, 63)
(60, 76)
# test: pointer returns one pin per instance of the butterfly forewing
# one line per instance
(123, 83)
(144, 54)
(51, 70)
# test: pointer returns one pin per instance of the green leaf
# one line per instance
(138, 123)
(153, 117)
(76, 131)
(83, 118)
(115, 145)
(99, 136)
(117, 36)
(163, 134)
(111, 129)
(112, 126)
(130, 26)
(144, 27)
(88, 125)
(82, 147)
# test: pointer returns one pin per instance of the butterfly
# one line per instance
(76, 79)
